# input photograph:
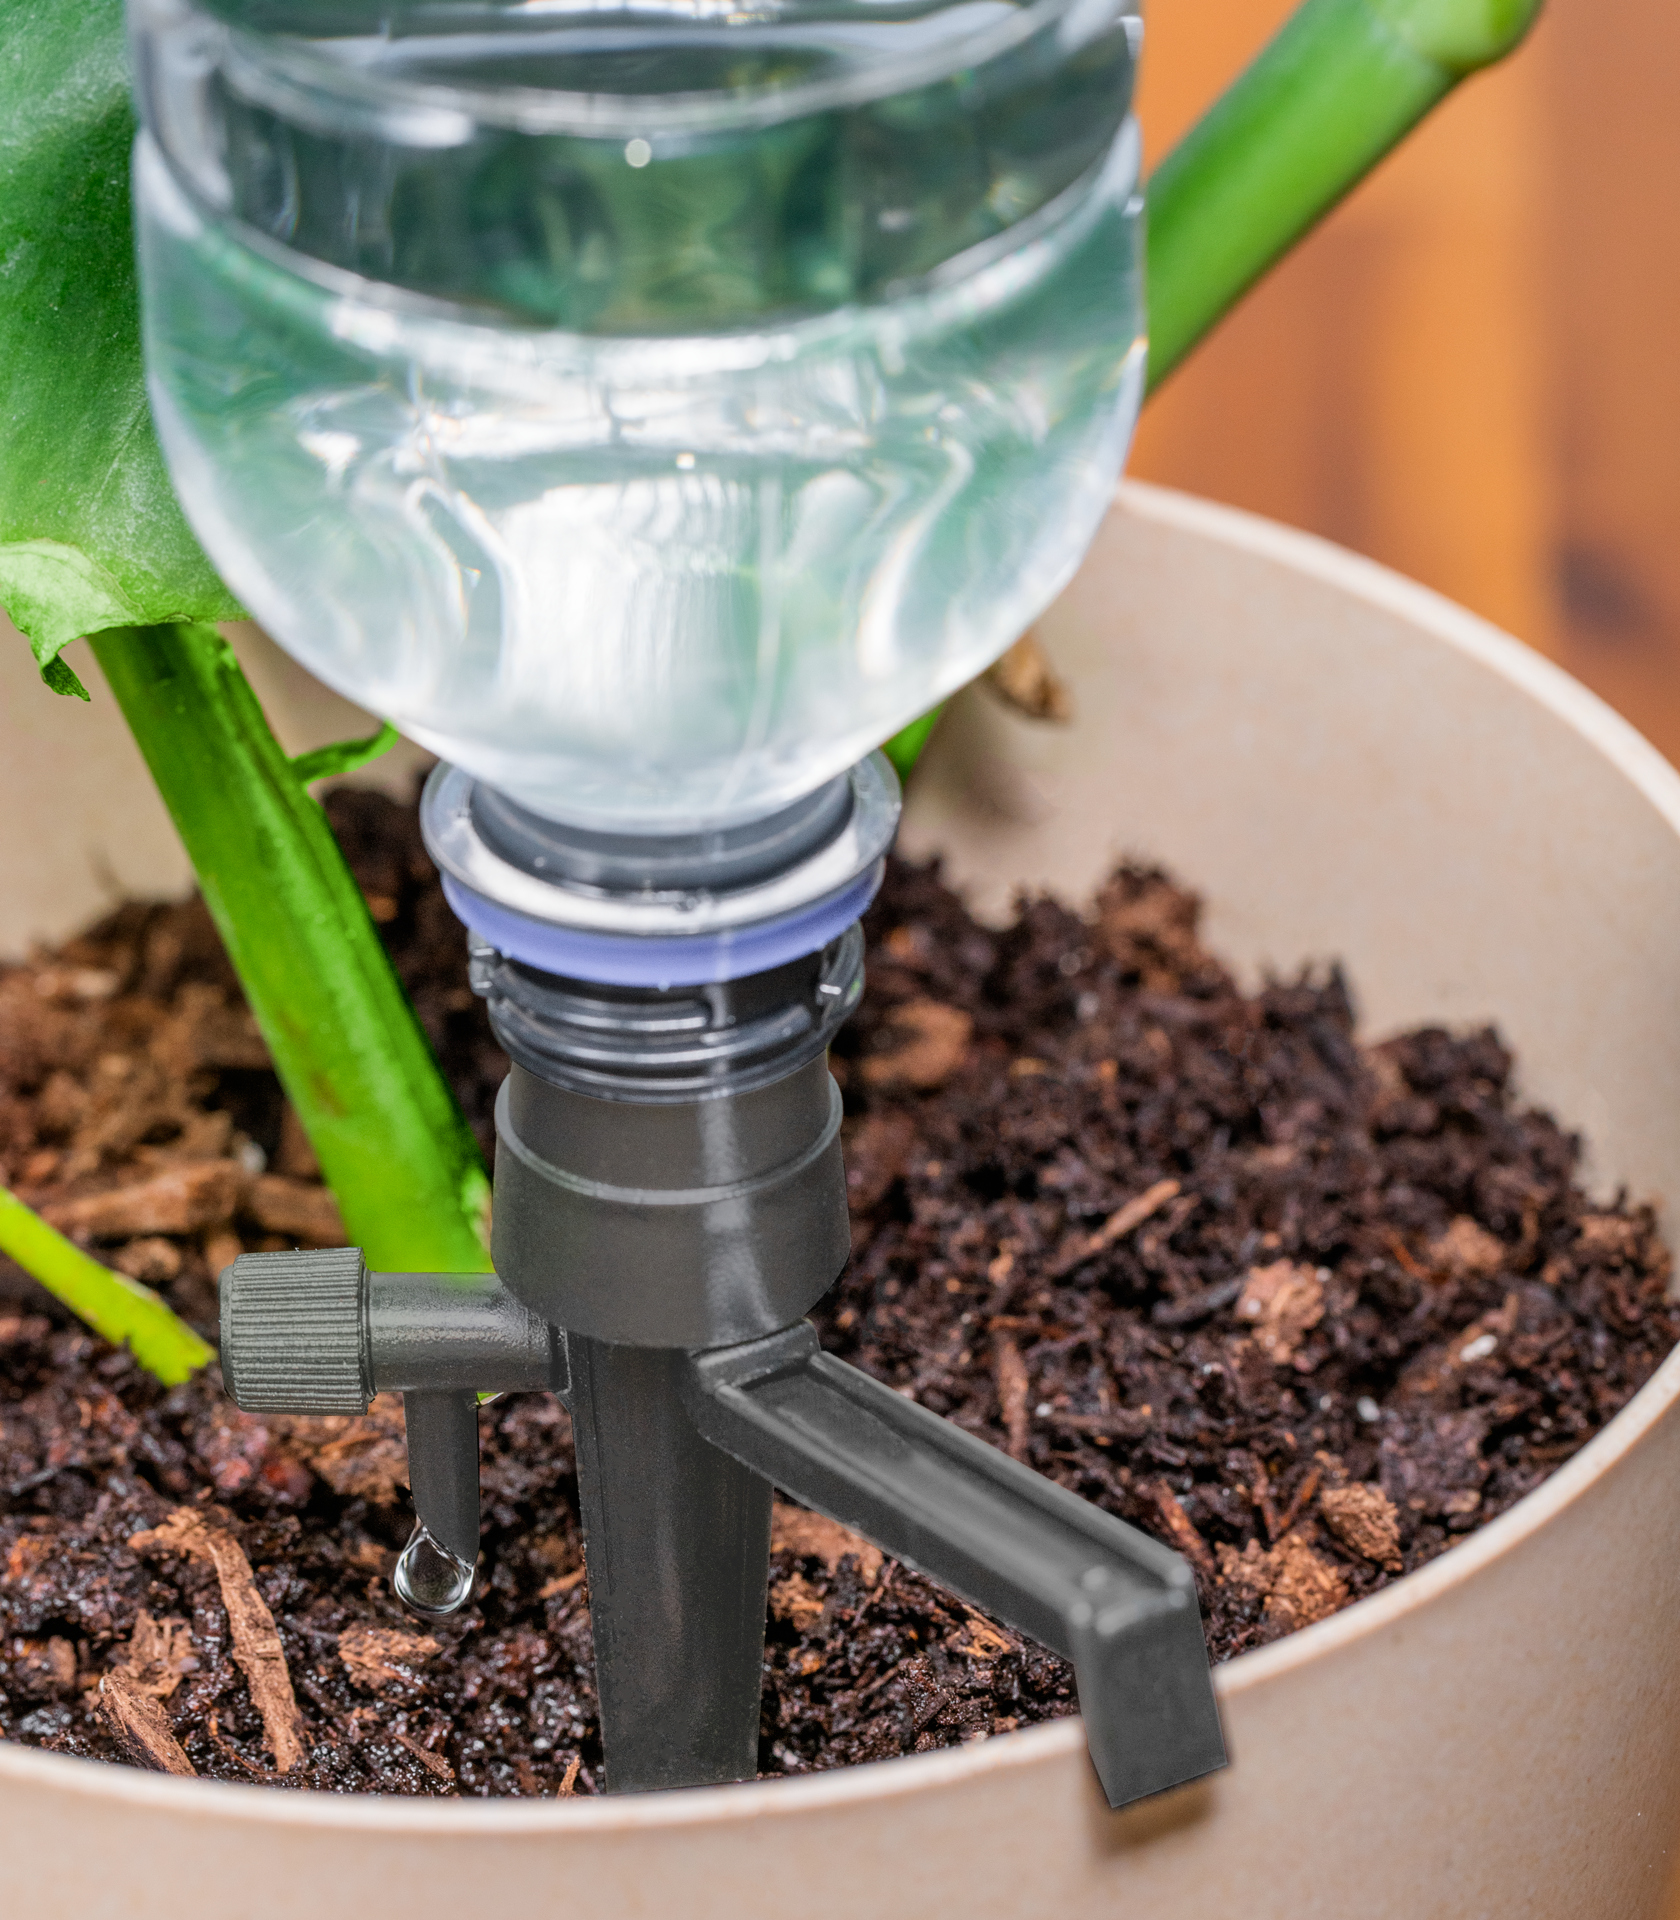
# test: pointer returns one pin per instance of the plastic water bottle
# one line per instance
(647, 407)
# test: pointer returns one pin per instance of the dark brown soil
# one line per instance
(1307, 1310)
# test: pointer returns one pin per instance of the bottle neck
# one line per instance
(666, 912)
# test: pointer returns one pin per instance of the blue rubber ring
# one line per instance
(619, 960)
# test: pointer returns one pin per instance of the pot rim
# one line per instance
(1358, 578)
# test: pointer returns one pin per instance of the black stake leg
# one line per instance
(1117, 1604)
(677, 1541)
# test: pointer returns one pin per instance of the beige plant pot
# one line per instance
(1348, 766)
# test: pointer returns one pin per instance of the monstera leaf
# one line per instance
(91, 536)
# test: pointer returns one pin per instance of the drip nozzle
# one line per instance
(316, 1332)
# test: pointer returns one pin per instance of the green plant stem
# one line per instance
(904, 749)
(119, 1309)
(1339, 85)
(349, 1051)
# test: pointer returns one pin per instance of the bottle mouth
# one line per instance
(712, 861)
(579, 903)
(457, 68)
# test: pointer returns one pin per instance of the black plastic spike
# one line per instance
(1116, 1604)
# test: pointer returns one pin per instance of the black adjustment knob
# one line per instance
(295, 1332)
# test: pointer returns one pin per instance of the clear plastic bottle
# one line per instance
(648, 407)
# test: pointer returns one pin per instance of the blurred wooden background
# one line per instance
(1471, 372)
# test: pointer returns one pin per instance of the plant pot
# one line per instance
(1347, 766)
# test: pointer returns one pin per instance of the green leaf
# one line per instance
(55, 595)
(61, 677)
(90, 532)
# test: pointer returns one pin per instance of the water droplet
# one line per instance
(429, 1578)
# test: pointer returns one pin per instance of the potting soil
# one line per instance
(1305, 1308)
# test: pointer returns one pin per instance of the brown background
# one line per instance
(1470, 371)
